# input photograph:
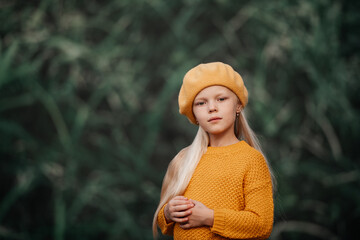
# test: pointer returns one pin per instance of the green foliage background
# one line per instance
(89, 118)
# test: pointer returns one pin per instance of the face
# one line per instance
(215, 110)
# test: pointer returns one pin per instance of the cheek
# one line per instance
(198, 113)
(232, 116)
(231, 111)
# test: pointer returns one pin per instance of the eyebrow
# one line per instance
(204, 98)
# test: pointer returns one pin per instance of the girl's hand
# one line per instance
(201, 216)
(178, 209)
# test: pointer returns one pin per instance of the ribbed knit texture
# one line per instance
(235, 181)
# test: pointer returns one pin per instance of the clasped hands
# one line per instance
(188, 213)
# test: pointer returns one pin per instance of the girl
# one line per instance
(220, 186)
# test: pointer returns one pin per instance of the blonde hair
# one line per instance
(182, 167)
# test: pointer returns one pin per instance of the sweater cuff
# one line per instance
(162, 219)
(219, 221)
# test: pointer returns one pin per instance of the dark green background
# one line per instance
(89, 118)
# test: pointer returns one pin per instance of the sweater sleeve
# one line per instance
(255, 221)
(166, 228)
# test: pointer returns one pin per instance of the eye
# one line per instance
(222, 99)
(200, 103)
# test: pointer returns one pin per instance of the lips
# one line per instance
(214, 119)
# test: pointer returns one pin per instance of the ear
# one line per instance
(238, 108)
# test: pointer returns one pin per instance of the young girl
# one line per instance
(220, 186)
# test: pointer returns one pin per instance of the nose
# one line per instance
(212, 107)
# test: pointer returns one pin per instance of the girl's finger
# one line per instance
(180, 198)
(181, 214)
(180, 208)
(180, 202)
(186, 206)
(185, 226)
(180, 220)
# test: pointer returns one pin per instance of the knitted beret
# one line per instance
(206, 75)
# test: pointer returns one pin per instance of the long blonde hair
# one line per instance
(182, 167)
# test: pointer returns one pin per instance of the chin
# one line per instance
(215, 131)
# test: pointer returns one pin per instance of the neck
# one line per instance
(221, 141)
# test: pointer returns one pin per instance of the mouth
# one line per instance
(213, 119)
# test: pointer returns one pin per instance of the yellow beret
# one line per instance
(206, 75)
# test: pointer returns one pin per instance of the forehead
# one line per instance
(213, 90)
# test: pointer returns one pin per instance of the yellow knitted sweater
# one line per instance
(235, 182)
